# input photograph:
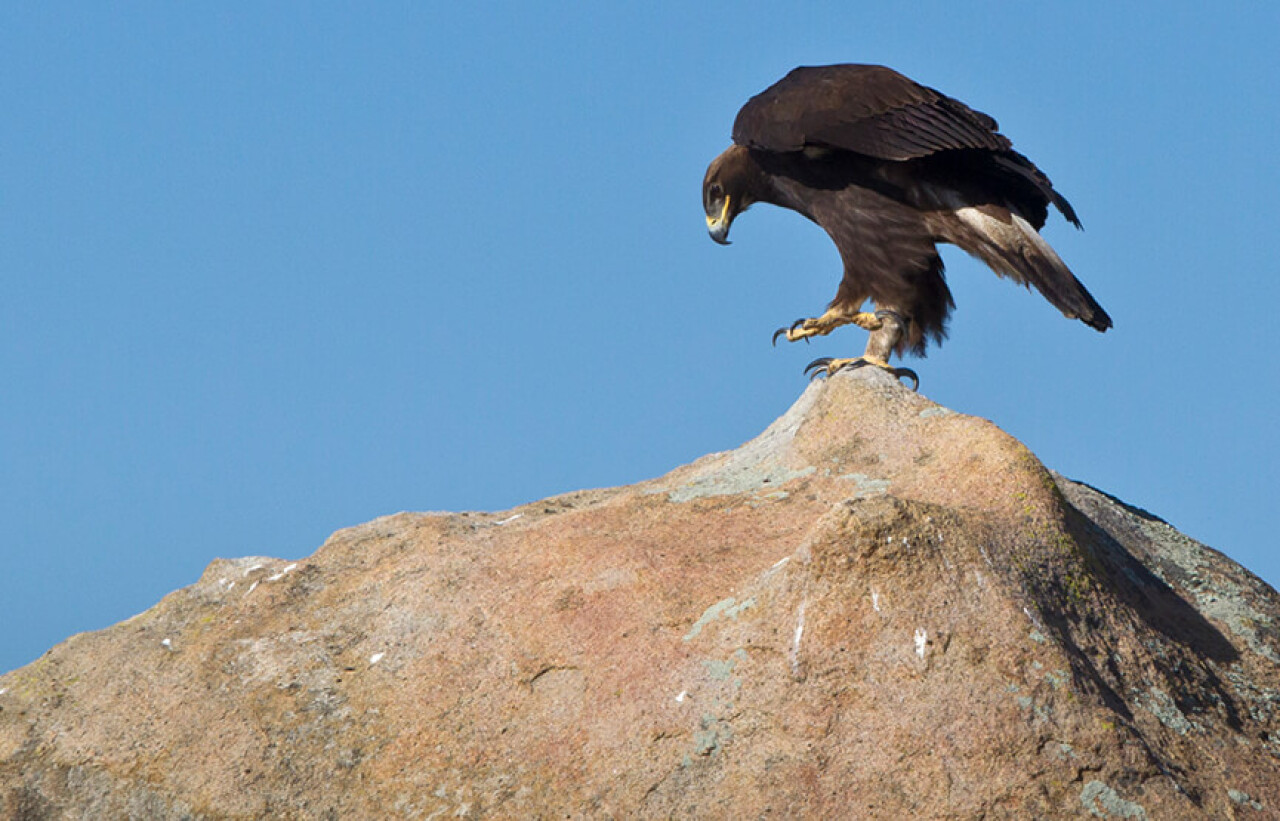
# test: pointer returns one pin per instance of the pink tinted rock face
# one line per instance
(878, 608)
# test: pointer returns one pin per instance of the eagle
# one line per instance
(890, 168)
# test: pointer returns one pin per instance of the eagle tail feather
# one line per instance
(1012, 247)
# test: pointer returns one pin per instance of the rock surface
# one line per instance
(878, 608)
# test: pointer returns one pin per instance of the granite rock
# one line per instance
(878, 608)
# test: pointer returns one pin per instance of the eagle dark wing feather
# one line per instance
(871, 110)
(917, 131)
(810, 98)
(877, 112)
(1021, 166)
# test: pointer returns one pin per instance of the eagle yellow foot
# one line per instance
(825, 324)
(827, 366)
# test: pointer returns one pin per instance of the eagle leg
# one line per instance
(828, 322)
(884, 337)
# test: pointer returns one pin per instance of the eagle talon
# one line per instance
(826, 366)
(788, 331)
(819, 366)
(909, 374)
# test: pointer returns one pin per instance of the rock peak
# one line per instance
(877, 608)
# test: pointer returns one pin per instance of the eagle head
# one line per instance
(728, 189)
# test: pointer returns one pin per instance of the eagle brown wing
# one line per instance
(872, 110)
(875, 111)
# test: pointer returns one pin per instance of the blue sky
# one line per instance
(274, 270)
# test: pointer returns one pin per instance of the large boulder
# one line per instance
(878, 608)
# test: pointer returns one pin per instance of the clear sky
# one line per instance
(271, 270)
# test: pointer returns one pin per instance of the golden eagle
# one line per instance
(888, 168)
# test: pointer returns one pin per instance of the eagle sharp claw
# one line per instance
(788, 331)
(819, 367)
(823, 366)
(909, 374)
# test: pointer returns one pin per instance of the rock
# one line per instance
(878, 608)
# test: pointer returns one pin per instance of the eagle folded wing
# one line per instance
(871, 110)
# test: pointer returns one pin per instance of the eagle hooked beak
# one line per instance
(718, 227)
